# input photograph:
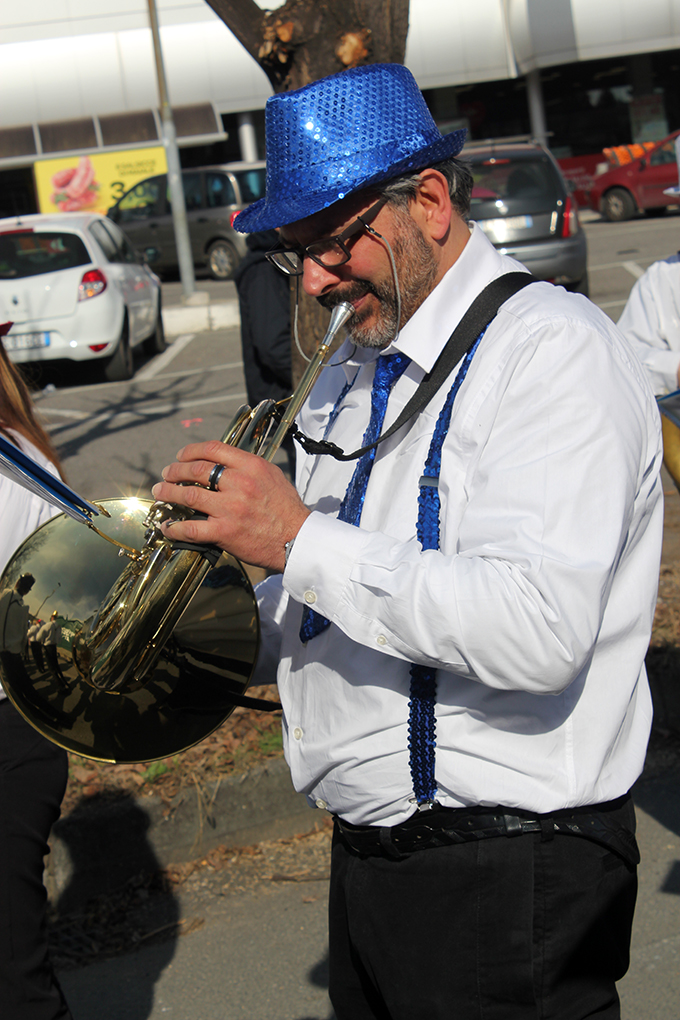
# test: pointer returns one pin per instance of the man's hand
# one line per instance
(253, 513)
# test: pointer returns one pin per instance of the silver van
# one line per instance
(213, 195)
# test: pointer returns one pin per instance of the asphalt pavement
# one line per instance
(259, 951)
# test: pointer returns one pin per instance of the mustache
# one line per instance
(352, 292)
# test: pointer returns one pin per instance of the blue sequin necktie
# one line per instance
(387, 370)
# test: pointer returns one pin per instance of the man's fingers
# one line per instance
(195, 472)
(186, 495)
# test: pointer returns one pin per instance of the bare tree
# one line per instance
(308, 39)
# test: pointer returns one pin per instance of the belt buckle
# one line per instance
(513, 825)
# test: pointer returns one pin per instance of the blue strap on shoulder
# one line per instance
(421, 719)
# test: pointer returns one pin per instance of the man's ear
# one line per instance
(431, 206)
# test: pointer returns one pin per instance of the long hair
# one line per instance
(16, 410)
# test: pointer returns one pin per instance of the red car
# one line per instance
(637, 186)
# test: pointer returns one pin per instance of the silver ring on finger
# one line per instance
(215, 475)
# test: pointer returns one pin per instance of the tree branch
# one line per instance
(243, 18)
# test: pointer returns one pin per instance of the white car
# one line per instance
(75, 289)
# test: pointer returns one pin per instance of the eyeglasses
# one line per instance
(329, 252)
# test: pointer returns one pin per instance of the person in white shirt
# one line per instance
(459, 618)
(651, 322)
(49, 635)
(35, 647)
(33, 771)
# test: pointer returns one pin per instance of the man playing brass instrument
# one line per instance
(461, 613)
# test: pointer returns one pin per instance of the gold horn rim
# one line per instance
(208, 659)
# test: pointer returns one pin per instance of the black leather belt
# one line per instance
(607, 824)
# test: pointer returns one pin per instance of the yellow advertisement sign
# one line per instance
(95, 182)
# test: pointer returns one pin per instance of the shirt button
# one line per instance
(321, 804)
(310, 598)
(381, 639)
(297, 733)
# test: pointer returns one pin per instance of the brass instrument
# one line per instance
(160, 638)
(671, 448)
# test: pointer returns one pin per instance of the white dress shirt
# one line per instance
(651, 322)
(21, 511)
(536, 611)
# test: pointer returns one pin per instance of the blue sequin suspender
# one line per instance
(421, 719)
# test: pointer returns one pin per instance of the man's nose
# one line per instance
(316, 279)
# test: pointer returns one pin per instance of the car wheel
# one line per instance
(156, 343)
(120, 365)
(222, 260)
(618, 205)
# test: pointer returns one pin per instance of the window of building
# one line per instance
(63, 135)
(198, 119)
(17, 141)
(121, 128)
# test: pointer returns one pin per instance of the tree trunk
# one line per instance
(305, 40)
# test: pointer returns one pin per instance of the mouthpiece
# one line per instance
(339, 316)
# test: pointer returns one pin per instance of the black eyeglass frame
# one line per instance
(357, 226)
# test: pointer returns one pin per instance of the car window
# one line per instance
(113, 241)
(127, 252)
(219, 190)
(527, 184)
(193, 192)
(28, 253)
(145, 200)
(104, 240)
(251, 183)
(664, 154)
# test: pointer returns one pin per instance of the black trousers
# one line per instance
(36, 650)
(33, 774)
(53, 661)
(509, 928)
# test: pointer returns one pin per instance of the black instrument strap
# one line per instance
(480, 313)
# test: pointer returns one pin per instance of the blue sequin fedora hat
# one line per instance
(340, 134)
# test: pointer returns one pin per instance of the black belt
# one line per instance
(609, 824)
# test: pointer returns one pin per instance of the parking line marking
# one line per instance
(228, 366)
(64, 413)
(620, 265)
(633, 268)
(159, 363)
(142, 412)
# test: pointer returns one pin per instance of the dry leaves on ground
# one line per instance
(247, 738)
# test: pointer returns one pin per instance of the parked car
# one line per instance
(638, 186)
(213, 196)
(75, 289)
(525, 207)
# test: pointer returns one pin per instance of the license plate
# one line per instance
(25, 341)
(506, 224)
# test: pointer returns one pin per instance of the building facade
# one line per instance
(580, 75)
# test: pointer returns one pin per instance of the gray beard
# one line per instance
(416, 272)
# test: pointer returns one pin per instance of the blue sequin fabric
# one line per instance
(421, 719)
(388, 368)
(337, 135)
